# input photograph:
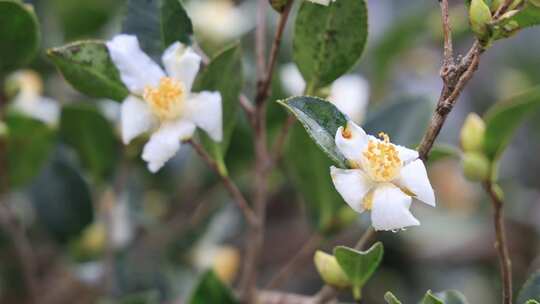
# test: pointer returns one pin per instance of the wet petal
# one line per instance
(136, 118)
(391, 209)
(205, 110)
(413, 177)
(352, 143)
(352, 184)
(181, 63)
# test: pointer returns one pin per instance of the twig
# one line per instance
(447, 33)
(260, 37)
(501, 244)
(283, 274)
(23, 249)
(227, 182)
(264, 84)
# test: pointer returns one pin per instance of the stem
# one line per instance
(227, 182)
(284, 273)
(501, 244)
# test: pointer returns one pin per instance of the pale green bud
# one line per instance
(472, 133)
(330, 271)
(498, 192)
(476, 166)
(480, 17)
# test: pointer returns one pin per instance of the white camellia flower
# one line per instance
(349, 93)
(384, 178)
(163, 102)
(29, 100)
(220, 20)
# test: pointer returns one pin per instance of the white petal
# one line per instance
(391, 209)
(291, 79)
(413, 177)
(406, 155)
(136, 117)
(181, 63)
(137, 70)
(165, 142)
(323, 2)
(352, 184)
(350, 94)
(41, 108)
(353, 145)
(205, 110)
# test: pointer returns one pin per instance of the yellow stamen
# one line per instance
(381, 159)
(167, 99)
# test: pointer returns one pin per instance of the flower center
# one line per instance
(167, 99)
(381, 159)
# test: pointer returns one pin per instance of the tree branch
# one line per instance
(501, 244)
(235, 193)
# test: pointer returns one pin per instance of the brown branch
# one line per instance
(283, 274)
(501, 244)
(260, 37)
(266, 80)
(23, 249)
(448, 52)
(235, 193)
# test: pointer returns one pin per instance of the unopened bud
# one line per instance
(476, 166)
(330, 271)
(480, 17)
(472, 133)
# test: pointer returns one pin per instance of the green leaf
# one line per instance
(503, 118)
(440, 152)
(531, 289)
(452, 297)
(92, 136)
(430, 298)
(329, 40)
(62, 200)
(228, 62)
(211, 290)
(84, 18)
(404, 121)
(532, 302)
(359, 265)
(321, 119)
(87, 66)
(390, 298)
(309, 169)
(527, 16)
(29, 143)
(165, 21)
(19, 32)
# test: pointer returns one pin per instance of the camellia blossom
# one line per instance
(349, 93)
(384, 178)
(220, 20)
(163, 102)
(29, 100)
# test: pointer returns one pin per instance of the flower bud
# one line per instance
(278, 5)
(476, 166)
(480, 17)
(472, 133)
(330, 271)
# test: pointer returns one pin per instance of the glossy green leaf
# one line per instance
(329, 40)
(404, 121)
(531, 289)
(309, 169)
(504, 118)
(451, 297)
(228, 62)
(84, 18)
(359, 265)
(211, 290)
(19, 32)
(321, 119)
(390, 298)
(87, 66)
(165, 21)
(430, 298)
(62, 200)
(28, 145)
(92, 136)
(440, 152)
